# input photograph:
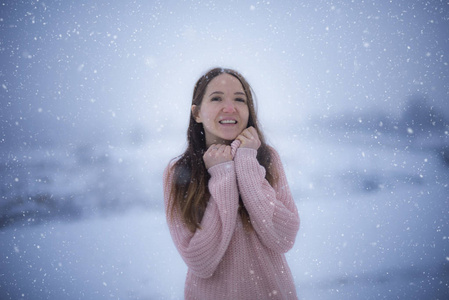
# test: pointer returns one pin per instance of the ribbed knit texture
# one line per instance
(225, 260)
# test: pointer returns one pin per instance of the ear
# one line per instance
(195, 114)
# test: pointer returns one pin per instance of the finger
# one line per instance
(253, 131)
(248, 134)
(227, 150)
(213, 147)
(252, 134)
(243, 139)
(249, 129)
(221, 148)
(211, 150)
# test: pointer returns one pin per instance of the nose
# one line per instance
(228, 106)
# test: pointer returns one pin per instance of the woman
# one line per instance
(229, 208)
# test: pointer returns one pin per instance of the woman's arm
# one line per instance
(272, 210)
(203, 249)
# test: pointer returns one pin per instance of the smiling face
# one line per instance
(224, 110)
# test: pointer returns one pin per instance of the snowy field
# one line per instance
(94, 95)
(89, 223)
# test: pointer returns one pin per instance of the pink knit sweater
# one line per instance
(225, 260)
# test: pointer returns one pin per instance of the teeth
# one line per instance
(228, 121)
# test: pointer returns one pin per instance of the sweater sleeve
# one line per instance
(203, 249)
(272, 210)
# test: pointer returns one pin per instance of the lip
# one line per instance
(228, 119)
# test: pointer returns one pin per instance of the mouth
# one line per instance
(228, 122)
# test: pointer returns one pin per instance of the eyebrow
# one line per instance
(221, 93)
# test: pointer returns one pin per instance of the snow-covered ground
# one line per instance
(88, 223)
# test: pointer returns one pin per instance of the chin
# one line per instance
(230, 137)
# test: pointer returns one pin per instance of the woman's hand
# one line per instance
(217, 154)
(249, 138)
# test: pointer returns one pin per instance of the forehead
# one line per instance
(225, 82)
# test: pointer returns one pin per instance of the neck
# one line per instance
(217, 142)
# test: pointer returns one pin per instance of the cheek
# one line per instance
(206, 118)
(246, 117)
(203, 114)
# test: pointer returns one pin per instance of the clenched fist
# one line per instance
(249, 138)
(217, 154)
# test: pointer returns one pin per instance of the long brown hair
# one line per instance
(189, 190)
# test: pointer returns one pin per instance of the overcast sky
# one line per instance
(91, 70)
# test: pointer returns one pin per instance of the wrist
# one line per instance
(221, 168)
(250, 152)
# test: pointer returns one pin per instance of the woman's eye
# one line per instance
(215, 99)
(240, 100)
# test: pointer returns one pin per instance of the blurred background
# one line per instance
(95, 100)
